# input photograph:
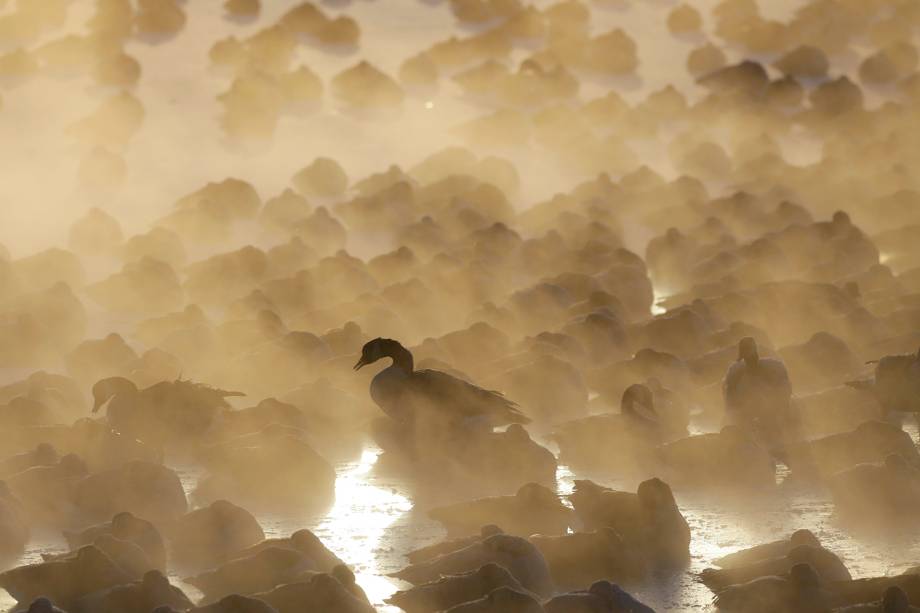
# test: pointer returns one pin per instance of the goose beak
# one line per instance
(361, 364)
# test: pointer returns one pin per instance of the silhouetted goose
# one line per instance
(260, 572)
(501, 600)
(151, 591)
(64, 581)
(304, 542)
(430, 552)
(896, 383)
(859, 592)
(757, 390)
(767, 551)
(128, 556)
(626, 439)
(231, 604)
(522, 559)
(181, 407)
(895, 600)
(826, 564)
(399, 389)
(602, 597)
(126, 527)
(451, 590)
(799, 592)
(43, 605)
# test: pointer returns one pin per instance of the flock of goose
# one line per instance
(698, 315)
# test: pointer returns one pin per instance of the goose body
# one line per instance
(501, 600)
(767, 551)
(798, 592)
(826, 564)
(522, 559)
(601, 597)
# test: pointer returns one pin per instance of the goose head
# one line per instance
(43, 605)
(106, 389)
(384, 348)
(638, 401)
(895, 600)
(747, 351)
(804, 537)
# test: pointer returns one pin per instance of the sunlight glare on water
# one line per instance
(356, 526)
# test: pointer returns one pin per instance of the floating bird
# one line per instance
(451, 590)
(179, 407)
(799, 592)
(895, 600)
(757, 391)
(501, 600)
(400, 390)
(767, 551)
(826, 564)
(602, 596)
(896, 383)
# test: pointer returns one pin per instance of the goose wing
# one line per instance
(457, 396)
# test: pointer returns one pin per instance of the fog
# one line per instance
(634, 282)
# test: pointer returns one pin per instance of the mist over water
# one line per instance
(500, 294)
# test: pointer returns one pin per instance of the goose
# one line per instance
(649, 520)
(231, 604)
(451, 590)
(320, 592)
(580, 558)
(43, 454)
(430, 552)
(601, 597)
(302, 541)
(128, 556)
(799, 592)
(826, 564)
(501, 600)
(125, 526)
(896, 382)
(64, 581)
(158, 413)
(626, 440)
(767, 551)
(894, 600)
(871, 441)
(43, 605)
(140, 487)
(151, 591)
(261, 572)
(533, 508)
(212, 535)
(400, 390)
(522, 559)
(884, 494)
(757, 391)
(858, 592)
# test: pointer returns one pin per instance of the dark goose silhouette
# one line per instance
(400, 390)
(757, 391)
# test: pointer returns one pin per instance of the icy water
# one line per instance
(373, 522)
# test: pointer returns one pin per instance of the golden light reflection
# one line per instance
(356, 526)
